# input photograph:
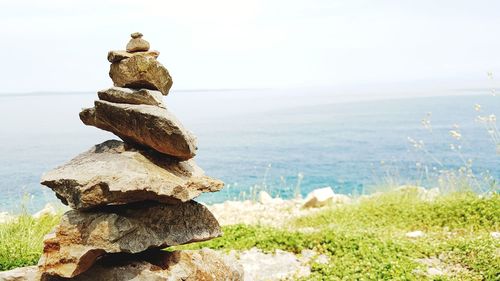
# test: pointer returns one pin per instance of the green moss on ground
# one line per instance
(367, 241)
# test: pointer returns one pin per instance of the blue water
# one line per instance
(262, 139)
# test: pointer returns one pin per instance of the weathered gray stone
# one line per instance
(137, 44)
(29, 273)
(116, 56)
(205, 264)
(114, 173)
(141, 71)
(132, 96)
(146, 125)
(324, 196)
(82, 237)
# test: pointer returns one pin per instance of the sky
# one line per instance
(61, 45)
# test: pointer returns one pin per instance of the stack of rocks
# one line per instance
(133, 198)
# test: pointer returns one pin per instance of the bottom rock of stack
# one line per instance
(83, 237)
(203, 264)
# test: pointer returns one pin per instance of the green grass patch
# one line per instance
(367, 241)
(369, 254)
(405, 211)
(21, 240)
(243, 237)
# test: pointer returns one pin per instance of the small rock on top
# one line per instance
(137, 44)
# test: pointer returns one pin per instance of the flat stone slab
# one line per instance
(83, 237)
(119, 55)
(146, 125)
(131, 96)
(115, 173)
(205, 264)
(141, 71)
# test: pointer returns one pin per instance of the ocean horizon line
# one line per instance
(56, 93)
(344, 97)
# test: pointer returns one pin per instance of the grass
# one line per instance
(405, 211)
(364, 241)
(367, 241)
(21, 240)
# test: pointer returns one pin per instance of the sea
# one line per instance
(286, 142)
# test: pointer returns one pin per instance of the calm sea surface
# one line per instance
(273, 140)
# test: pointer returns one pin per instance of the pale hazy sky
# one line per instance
(61, 45)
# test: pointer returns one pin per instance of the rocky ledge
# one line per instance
(82, 237)
(131, 96)
(145, 125)
(116, 173)
(204, 264)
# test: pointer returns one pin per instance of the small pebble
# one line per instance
(415, 234)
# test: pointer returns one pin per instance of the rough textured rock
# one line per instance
(265, 198)
(205, 264)
(323, 196)
(131, 96)
(319, 197)
(137, 44)
(82, 237)
(280, 265)
(116, 56)
(147, 125)
(114, 173)
(141, 71)
(277, 214)
(415, 234)
(29, 273)
(48, 210)
(5, 217)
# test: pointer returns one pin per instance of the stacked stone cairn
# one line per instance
(130, 199)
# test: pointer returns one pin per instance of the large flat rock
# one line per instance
(147, 125)
(205, 264)
(117, 56)
(82, 237)
(141, 71)
(131, 96)
(115, 173)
